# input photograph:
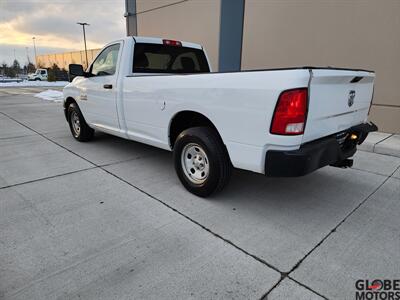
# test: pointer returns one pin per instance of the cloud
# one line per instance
(10, 9)
(53, 23)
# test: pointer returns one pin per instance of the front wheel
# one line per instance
(79, 128)
(201, 161)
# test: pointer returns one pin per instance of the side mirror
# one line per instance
(76, 70)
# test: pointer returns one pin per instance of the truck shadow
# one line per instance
(277, 219)
(326, 188)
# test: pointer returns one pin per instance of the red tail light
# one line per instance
(172, 43)
(290, 112)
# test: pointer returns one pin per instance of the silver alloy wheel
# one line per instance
(195, 163)
(76, 125)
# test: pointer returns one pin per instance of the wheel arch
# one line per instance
(67, 103)
(185, 119)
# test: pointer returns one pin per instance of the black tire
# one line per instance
(219, 164)
(85, 133)
(38, 79)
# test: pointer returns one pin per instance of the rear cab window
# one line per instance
(161, 58)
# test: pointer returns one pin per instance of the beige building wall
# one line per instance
(62, 60)
(349, 33)
(193, 21)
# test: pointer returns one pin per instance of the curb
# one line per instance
(382, 143)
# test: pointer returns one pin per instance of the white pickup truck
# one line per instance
(39, 75)
(278, 122)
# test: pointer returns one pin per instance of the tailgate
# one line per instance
(338, 100)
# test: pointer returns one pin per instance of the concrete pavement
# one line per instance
(109, 220)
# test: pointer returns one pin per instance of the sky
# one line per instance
(53, 24)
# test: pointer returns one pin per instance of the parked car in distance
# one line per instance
(278, 122)
(39, 75)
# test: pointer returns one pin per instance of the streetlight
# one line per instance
(27, 54)
(84, 39)
(34, 47)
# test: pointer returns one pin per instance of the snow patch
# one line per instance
(50, 95)
(34, 83)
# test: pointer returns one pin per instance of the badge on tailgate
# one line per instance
(352, 95)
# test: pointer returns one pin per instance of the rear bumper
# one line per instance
(316, 154)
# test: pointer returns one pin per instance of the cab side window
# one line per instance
(106, 63)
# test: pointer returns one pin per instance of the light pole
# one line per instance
(84, 39)
(34, 47)
(27, 55)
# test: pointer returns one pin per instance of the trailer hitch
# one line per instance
(345, 163)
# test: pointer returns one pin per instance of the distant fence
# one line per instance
(62, 60)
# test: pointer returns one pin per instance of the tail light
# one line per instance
(290, 112)
(172, 43)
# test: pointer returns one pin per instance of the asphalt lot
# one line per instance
(109, 220)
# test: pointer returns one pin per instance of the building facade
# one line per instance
(342, 33)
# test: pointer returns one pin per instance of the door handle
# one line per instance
(107, 86)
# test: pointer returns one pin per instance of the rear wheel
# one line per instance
(201, 161)
(79, 128)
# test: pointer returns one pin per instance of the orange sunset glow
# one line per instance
(53, 24)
